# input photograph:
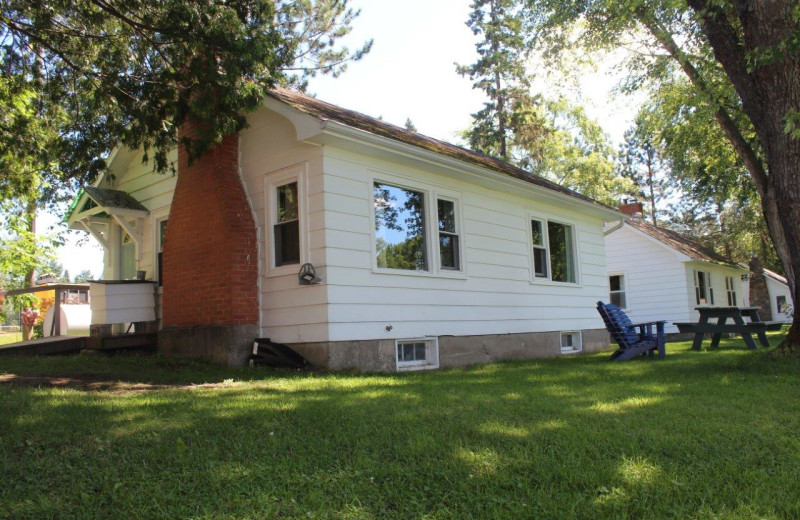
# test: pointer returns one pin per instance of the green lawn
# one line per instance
(10, 337)
(711, 434)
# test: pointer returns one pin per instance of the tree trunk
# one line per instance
(30, 277)
(768, 91)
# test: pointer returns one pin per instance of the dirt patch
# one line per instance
(90, 382)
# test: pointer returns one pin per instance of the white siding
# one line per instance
(718, 274)
(659, 282)
(655, 278)
(289, 313)
(154, 191)
(775, 289)
(494, 294)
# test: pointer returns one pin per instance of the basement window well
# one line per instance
(417, 354)
(571, 342)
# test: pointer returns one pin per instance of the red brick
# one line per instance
(209, 268)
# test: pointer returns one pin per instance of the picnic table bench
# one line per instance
(745, 329)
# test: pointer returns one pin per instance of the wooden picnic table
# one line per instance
(745, 329)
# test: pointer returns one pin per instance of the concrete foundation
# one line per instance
(454, 351)
(231, 345)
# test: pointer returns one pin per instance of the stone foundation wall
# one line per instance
(231, 345)
(454, 351)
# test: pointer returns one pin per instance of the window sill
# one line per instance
(546, 281)
(454, 275)
(571, 352)
(416, 366)
(284, 270)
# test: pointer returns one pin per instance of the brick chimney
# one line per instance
(629, 207)
(210, 260)
(759, 294)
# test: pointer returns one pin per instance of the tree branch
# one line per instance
(753, 163)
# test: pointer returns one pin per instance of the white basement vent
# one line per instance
(571, 342)
(417, 354)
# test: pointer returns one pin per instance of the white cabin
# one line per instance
(657, 274)
(426, 254)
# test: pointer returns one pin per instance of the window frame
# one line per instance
(575, 244)
(431, 354)
(432, 194)
(457, 234)
(623, 290)
(273, 181)
(709, 293)
(730, 291)
(576, 334)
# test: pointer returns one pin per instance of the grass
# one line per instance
(710, 434)
(9, 337)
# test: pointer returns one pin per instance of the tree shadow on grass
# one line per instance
(567, 438)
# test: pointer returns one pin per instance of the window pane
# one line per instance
(701, 288)
(561, 255)
(448, 251)
(618, 299)
(447, 216)
(536, 233)
(162, 234)
(615, 282)
(540, 262)
(287, 202)
(419, 351)
(400, 228)
(287, 243)
(566, 341)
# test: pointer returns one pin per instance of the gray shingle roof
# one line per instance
(108, 198)
(682, 244)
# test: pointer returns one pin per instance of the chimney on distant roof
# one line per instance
(633, 209)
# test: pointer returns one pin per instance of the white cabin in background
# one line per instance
(426, 254)
(657, 274)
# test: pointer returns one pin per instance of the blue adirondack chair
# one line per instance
(633, 339)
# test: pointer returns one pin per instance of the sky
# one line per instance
(410, 73)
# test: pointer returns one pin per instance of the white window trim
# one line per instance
(431, 361)
(709, 295)
(432, 195)
(576, 335)
(272, 181)
(730, 281)
(534, 280)
(624, 290)
(156, 217)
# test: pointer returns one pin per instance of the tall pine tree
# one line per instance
(509, 119)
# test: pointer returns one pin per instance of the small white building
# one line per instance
(780, 297)
(426, 254)
(658, 274)
(777, 297)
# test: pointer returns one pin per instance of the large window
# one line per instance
(286, 230)
(449, 257)
(400, 237)
(704, 293)
(730, 289)
(553, 251)
(616, 284)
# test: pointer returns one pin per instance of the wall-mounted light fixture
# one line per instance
(745, 277)
(308, 275)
